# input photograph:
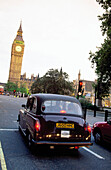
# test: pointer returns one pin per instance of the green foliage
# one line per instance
(87, 104)
(53, 81)
(106, 17)
(84, 102)
(23, 89)
(102, 57)
(10, 87)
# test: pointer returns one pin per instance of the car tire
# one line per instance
(98, 137)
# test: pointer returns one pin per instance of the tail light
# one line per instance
(76, 147)
(37, 125)
(87, 128)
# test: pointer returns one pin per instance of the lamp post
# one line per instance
(95, 102)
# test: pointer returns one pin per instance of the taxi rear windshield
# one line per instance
(53, 106)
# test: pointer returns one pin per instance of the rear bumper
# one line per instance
(80, 144)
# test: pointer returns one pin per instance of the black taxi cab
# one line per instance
(54, 120)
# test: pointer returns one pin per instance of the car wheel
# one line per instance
(98, 137)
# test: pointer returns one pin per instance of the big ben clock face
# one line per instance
(18, 48)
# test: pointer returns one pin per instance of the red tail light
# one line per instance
(76, 147)
(37, 125)
(88, 128)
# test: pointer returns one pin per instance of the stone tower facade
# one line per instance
(16, 57)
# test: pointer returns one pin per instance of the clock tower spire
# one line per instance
(19, 33)
(16, 57)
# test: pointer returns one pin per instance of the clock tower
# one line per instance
(16, 57)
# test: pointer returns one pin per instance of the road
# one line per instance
(15, 155)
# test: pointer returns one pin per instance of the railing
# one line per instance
(105, 113)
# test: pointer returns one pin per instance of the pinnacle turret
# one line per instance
(19, 33)
(20, 28)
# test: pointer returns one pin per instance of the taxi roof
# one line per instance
(45, 96)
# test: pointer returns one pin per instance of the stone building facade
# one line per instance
(27, 81)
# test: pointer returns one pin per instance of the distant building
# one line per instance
(17, 53)
(107, 100)
(87, 88)
(1, 89)
(27, 81)
(89, 91)
(2, 85)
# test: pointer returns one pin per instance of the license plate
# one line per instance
(65, 134)
(65, 125)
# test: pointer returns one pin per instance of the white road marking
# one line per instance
(95, 154)
(8, 129)
(15, 121)
(2, 159)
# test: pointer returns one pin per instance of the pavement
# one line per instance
(100, 117)
(91, 119)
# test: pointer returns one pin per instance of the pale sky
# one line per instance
(57, 33)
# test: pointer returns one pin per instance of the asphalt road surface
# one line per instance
(15, 154)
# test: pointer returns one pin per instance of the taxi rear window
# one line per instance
(55, 106)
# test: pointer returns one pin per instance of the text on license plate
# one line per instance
(65, 125)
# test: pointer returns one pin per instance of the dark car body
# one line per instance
(51, 119)
(102, 131)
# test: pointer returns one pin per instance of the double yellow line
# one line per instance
(2, 159)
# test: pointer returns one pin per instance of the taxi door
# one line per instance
(29, 118)
(26, 112)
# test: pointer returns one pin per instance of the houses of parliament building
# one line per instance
(17, 53)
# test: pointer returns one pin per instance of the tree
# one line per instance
(102, 57)
(10, 87)
(38, 86)
(53, 81)
(23, 89)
